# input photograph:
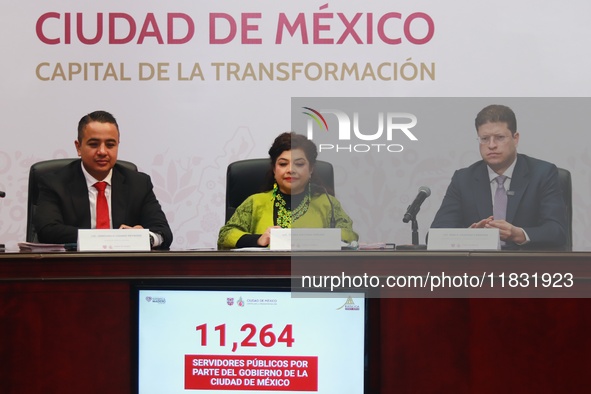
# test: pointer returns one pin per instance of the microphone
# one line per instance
(414, 208)
(2, 246)
(332, 218)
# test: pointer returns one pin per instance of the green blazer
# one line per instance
(255, 215)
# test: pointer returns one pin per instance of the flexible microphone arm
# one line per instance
(411, 216)
(2, 195)
(333, 223)
(332, 218)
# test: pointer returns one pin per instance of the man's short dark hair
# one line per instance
(497, 113)
(96, 116)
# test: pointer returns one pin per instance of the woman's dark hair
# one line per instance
(289, 141)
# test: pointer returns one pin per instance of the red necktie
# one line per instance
(102, 208)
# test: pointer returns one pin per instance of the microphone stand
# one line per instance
(415, 237)
(2, 246)
(415, 231)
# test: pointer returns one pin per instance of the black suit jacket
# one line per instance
(63, 206)
(535, 203)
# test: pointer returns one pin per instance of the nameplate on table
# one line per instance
(463, 239)
(115, 240)
(304, 239)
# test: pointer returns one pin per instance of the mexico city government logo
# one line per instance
(351, 138)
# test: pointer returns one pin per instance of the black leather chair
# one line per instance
(567, 192)
(247, 177)
(39, 170)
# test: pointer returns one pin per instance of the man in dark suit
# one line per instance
(535, 214)
(68, 198)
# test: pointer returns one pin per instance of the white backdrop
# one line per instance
(185, 132)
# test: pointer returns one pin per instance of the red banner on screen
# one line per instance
(272, 373)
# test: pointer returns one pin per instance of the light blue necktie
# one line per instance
(500, 201)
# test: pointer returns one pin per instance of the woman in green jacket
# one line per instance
(295, 199)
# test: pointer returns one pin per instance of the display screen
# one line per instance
(230, 341)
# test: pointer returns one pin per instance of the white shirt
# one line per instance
(93, 193)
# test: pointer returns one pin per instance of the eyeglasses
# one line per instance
(500, 139)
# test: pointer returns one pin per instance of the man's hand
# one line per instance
(482, 223)
(127, 227)
(507, 231)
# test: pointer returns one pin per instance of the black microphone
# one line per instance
(2, 247)
(414, 208)
(332, 218)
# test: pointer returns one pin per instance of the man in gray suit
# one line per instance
(533, 215)
(68, 198)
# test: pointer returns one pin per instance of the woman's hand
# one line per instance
(265, 238)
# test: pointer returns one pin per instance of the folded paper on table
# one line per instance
(464, 239)
(304, 239)
(115, 240)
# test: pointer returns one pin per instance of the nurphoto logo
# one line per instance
(390, 126)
